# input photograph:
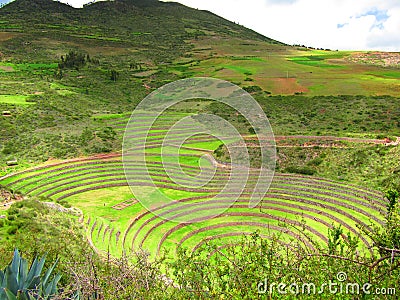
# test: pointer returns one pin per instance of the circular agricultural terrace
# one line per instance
(299, 209)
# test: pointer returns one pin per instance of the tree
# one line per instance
(334, 240)
(58, 74)
(72, 60)
(392, 196)
(114, 75)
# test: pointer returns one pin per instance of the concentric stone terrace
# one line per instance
(298, 209)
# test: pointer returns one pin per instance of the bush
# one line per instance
(316, 161)
(64, 203)
(107, 134)
(72, 60)
(251, 130)
(114, 75)
(12, 230)
(11, 217)
(252, 89)
(9, 149)
(13, 211)
(219, 152)
(300, 170)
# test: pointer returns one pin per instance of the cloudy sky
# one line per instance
(334, 24)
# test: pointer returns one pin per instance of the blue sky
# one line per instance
(333, 24)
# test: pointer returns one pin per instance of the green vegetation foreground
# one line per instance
(250, 269)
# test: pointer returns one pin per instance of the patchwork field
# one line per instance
(287, 71)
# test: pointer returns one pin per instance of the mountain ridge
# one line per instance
(33, 10)
(159, 31)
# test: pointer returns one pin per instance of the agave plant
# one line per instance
(19, 283)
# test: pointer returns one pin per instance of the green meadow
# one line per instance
(15, 99)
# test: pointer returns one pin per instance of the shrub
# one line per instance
(12, 230)
(64, 203)
(72, 60)
(13, 211)
(252, 89)
(114, 75)
(107, 134)
(316, 161)
(219, 152)
(300, 170)
(11, 217)
(251, 130)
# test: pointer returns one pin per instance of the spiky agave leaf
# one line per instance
(51, 288)
(11, 280)
(15, 262)
(19, 283)
(48, 273)
(23, 271)
(33, 278)
(1, 278)
(9, 295)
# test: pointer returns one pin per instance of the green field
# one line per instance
(15, 99)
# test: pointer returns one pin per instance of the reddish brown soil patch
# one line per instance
(4, 36)
(125, 204)
(7, 68)
(287, 86)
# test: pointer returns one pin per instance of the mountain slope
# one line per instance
(31, 7)
(162, 27)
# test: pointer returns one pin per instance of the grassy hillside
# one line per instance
(157, 31)
(130, 48)
(137, 40)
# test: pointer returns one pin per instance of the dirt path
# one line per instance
(334, 139)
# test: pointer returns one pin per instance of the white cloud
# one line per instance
(74, 3)
(315, 22)
(388, 35)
